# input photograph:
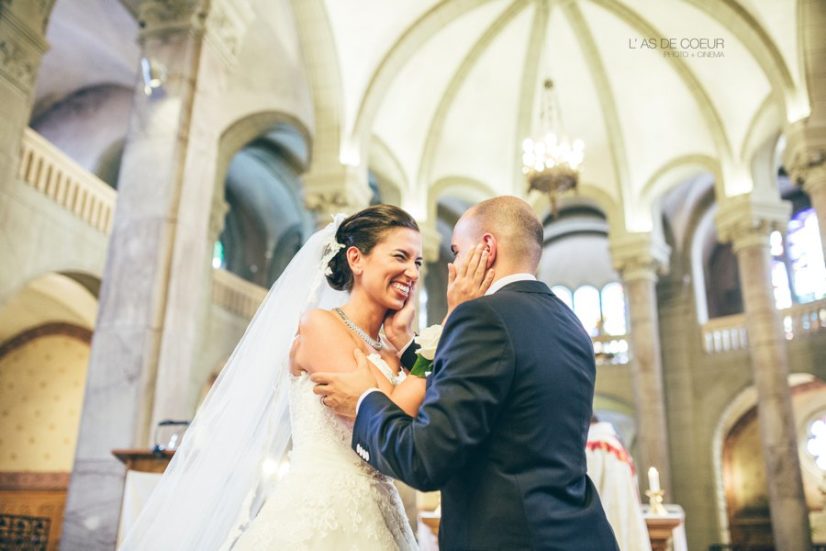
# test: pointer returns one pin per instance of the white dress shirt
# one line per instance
(494, 287)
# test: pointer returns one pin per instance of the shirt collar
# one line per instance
(507, 280)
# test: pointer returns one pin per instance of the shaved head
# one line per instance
(513, 224)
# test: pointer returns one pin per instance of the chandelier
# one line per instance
(550, 160)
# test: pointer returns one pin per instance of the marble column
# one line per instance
(154, 279)
(748, 224)
(638, 258)
(22, 45)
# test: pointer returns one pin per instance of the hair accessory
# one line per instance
(333, 246)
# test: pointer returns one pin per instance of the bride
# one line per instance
(221, 490)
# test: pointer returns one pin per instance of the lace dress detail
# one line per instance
(330, 499)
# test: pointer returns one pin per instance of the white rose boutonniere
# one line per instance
(428, 341)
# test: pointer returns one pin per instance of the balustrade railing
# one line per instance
(611, 349)
(236, 294)
(51, 172)
(728, 334)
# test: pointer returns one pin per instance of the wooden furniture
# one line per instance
(32, 503)
(661, 531)
(143, 460)
(143, 471)
(666, 531)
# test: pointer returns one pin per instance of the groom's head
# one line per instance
(509, 230)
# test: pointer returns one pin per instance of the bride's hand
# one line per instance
(468, 278)
(398, 325)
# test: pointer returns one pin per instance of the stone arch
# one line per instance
(742, 408)
(461, 187)
(261, 158)
(323, 71)
(87, 122)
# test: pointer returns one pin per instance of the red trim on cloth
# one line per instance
(619, 453)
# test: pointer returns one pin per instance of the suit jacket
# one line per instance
(502, 429)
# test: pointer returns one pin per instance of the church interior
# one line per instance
(161, 161)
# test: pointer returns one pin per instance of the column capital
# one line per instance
(226, 27)
(431, 239)
(340, 189)
(162, 17)
(639, 255)
(22, 45)
(745, 220)
(805, 156)
(31, 14)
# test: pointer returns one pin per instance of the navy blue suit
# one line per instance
(502, 429)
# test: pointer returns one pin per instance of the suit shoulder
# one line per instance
(480, 310)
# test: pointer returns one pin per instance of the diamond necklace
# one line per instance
(375, 343)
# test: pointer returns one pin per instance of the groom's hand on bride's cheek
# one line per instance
(341, 391)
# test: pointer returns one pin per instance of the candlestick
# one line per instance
(655, 502)
(653, 480)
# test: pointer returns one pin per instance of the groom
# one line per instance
(504, 422)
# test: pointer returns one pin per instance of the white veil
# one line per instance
(215, 483)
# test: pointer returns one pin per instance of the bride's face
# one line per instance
(388, 274)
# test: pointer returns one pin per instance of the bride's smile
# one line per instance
(388, 274)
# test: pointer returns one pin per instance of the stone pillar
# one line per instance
(22, 45)
(431, 239)
(747, 224)
(807, 168)
(334, 188)
(154, 279)
(805, 154)
(638, 258)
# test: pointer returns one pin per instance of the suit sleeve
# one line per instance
(472, 374)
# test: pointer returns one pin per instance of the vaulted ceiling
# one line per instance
(438, 94)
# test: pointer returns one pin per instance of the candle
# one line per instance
(653, 480)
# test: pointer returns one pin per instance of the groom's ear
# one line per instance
(489, 241)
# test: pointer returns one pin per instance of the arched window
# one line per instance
(564, 294)
(816, 443)
(613, 309)
(805, 255)
(798, 272)
(587, 308)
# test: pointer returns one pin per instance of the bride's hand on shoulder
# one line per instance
(468, 278)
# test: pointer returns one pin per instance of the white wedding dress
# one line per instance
(330, 499)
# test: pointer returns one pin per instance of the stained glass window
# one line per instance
(805, 255)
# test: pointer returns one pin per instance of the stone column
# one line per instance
(332, 188)
(154, 279)
(805, 154)
(22, 45)
(748, 223)
(638, 258)
(431, 239)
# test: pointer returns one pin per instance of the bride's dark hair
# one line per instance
(364, 230)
